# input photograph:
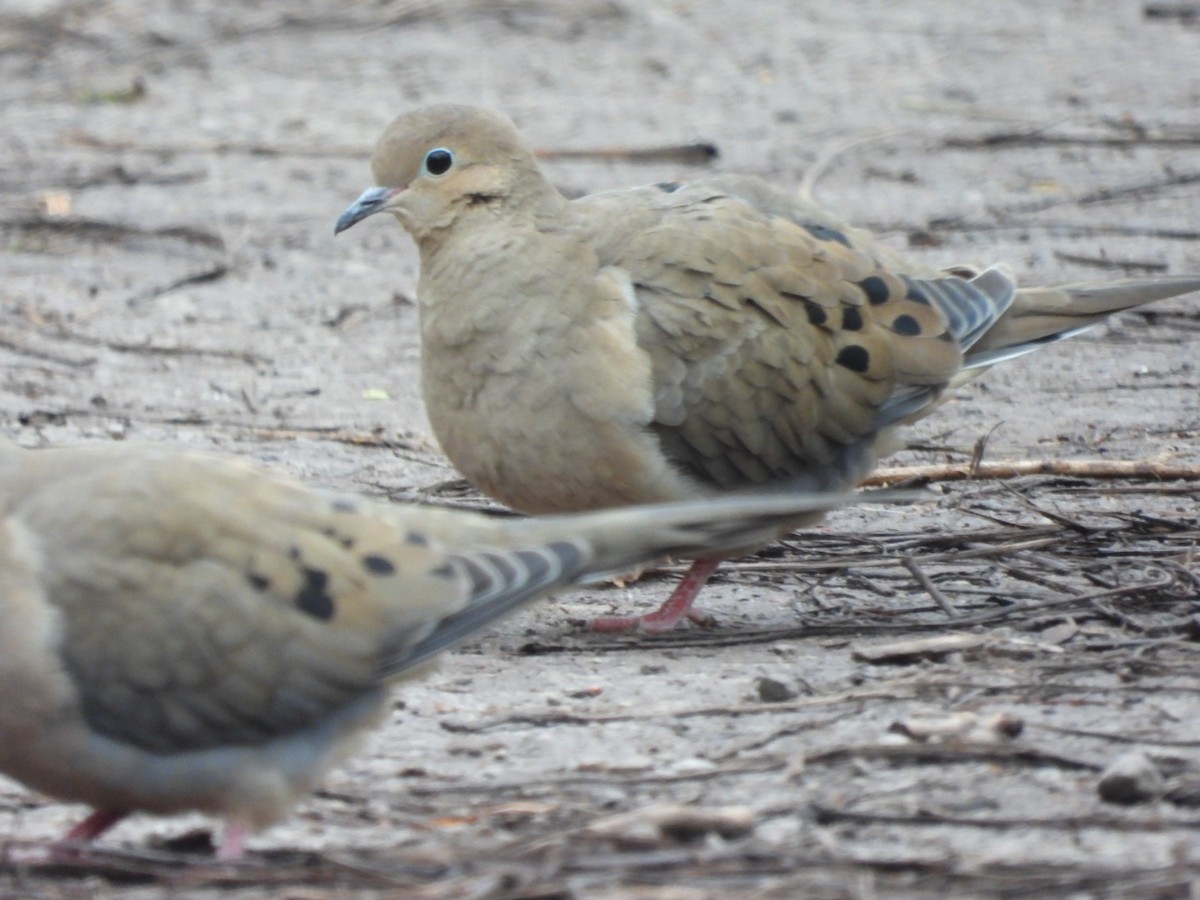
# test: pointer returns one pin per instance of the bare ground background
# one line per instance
(169, 178)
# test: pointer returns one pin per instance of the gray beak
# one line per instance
(372, 201)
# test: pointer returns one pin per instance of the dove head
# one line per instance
(436, 165)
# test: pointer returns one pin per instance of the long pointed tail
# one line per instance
(1040, 316)
(620, 539)
(524, 559)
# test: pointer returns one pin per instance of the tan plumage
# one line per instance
(181, 631)
(676, 340)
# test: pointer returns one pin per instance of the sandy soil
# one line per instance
(169, 178)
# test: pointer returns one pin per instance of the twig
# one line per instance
(700, 153)
(1066, 468)
(212, 273)
(910, 563)
(955, 223)
(1106, 195)
(1039, 139)
(116, 230)
(221, 148)
(814, 173)
(1056, 518)
(19, 346)
(544, 720)
(1105, 262)
(827, 815)
(1118, 737)
(943, 754)
(749, 767)
(1171, 9)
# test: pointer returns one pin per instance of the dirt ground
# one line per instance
(169, 178)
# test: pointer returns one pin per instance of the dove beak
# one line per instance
(371, 201)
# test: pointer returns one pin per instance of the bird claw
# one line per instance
(652, 623)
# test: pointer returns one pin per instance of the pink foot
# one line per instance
(233, 844)
(86, 831)
(667, 616)
(94, 825)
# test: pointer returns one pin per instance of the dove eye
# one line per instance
(439, 161)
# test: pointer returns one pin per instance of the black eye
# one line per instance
(439, 161)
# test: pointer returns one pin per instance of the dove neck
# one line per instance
(489, 278)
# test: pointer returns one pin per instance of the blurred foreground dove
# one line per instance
(181, 631)
(675, 341)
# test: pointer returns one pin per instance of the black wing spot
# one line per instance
(344, 506)
(906, 325)
(417, 539)
(852, 319)
(823, 233)
(378, 565)
(313, 598)
(876, 290)
(260, 583)
(854, 358)
(668, 187)
(816, 313)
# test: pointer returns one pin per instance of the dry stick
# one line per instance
(1177, 9)
(1075, 229)
(750, 767)
(1040, 139)
(102, 228)
(808, 184)
(1164, 580)
(828, 814)
(910, 563)
(213, 272)
(1118, 737)
(18, 344)
(1056, 518)
(1105, 262)
(697, 153)
(1106, 195)
(944, 754)
(1068, 468)
(544, 720)
(864, 562)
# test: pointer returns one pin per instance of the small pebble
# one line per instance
(1130, 778)
(772, 691)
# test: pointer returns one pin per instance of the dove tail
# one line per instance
(1039, 316)
(621, 539)
(553, 552)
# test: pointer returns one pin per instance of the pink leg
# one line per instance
(667, 616)
(95, 825)
(233, 844)
(88, 830)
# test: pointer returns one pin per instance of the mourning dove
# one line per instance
(181, 631)
(675, 341)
